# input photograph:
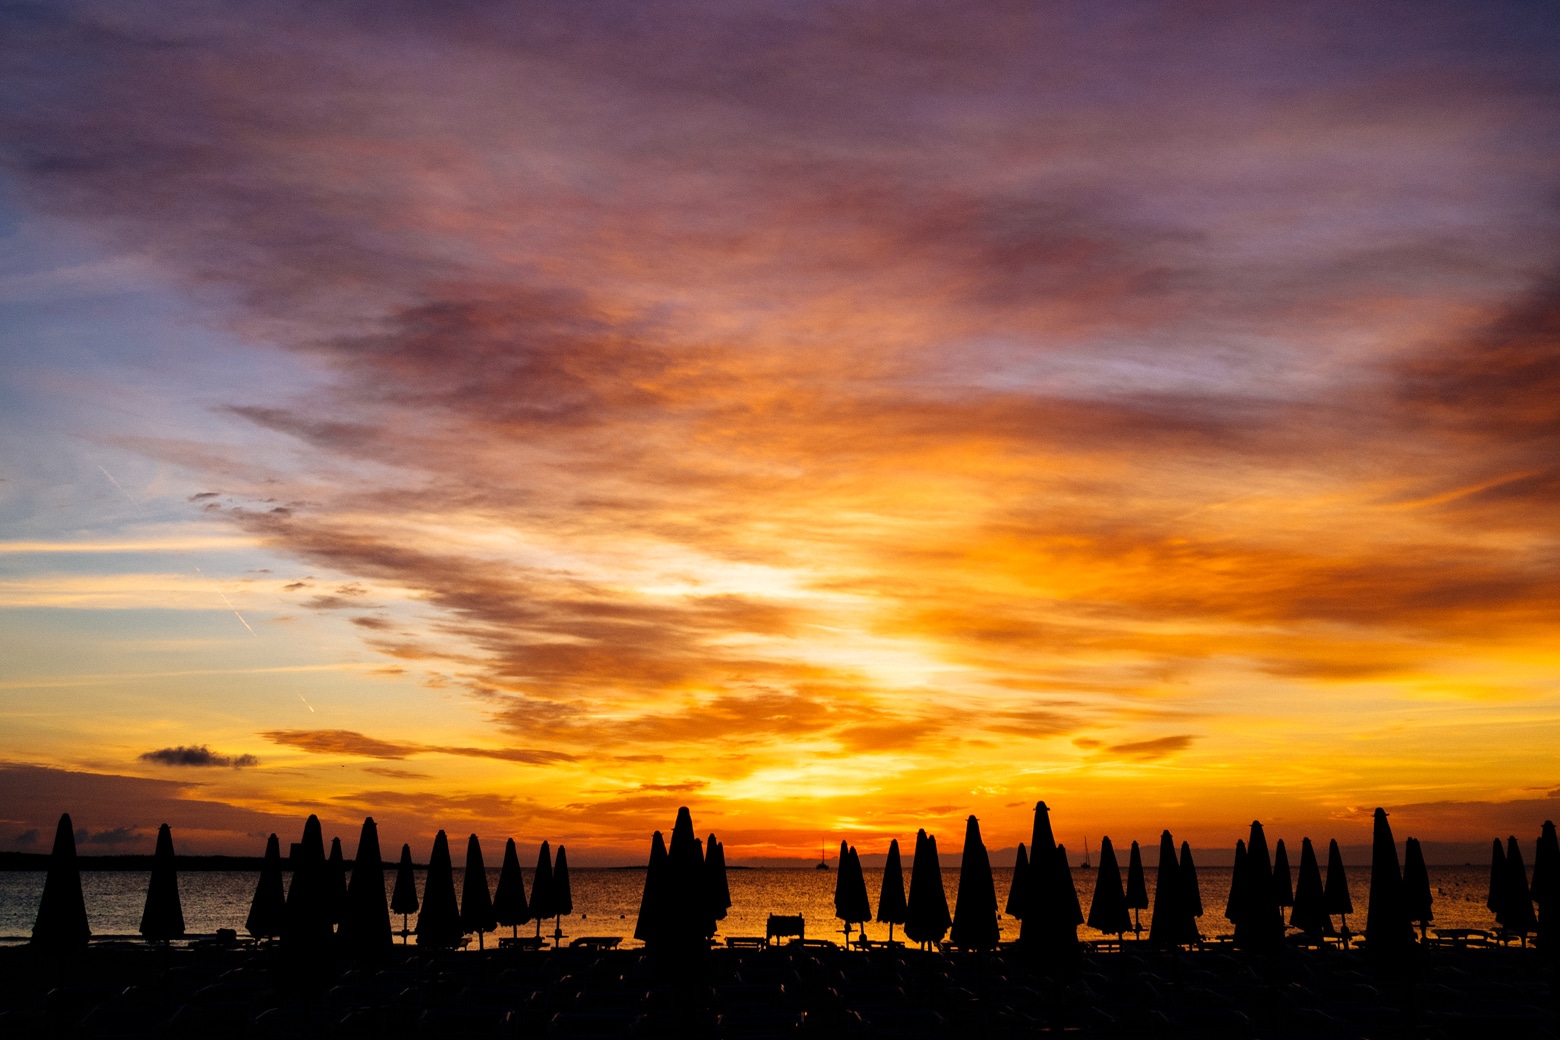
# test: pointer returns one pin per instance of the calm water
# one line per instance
(606, 902)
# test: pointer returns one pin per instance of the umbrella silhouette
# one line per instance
(689, 922)
(269, 904)
(1067, 894)
(1519, 918)
(509, 903)
(1173, 923)
(1495, 901)
(715, 870)
(336, 882)
(1283, 883)
(891, 897)
(1016, 896)
(975, 906)
(926, 911)
(1108, 909)
(1049, 929)
(163, 917)
(1260, 925)
(1417, 900)
(476, 902)
(563, 894)
(1310, 906)
(1137, 887)
(1336, 892)
(1190, 886)
(1237, 873)
(544, 901)
(62, 913)
(1546, 887)
(1387, 929)
(306, 921)
(365, 924)
(648, 928)
(850, 891)
(438, 925)
(403, 900)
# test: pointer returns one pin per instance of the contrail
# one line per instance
(306, 704)
(229, 603)
(120, 486)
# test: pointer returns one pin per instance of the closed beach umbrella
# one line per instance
(61, 923)
(336, 882)
(926, 912)
(1260, 925)
(841, 885)
(1546, 888)
(403, 900)
(365, 925)
(975, 906)
(1015, 899)
(1495, 901)
(891, 896)
(1067, 894)
(163, 917)
(1387, 929)
(1108, 909)
(1039, 930)
(1337, 889)
(1137, 886)
(509, 903)
(476, 902)
(1283, 880)
(1417, 900)
(1237, 873)
(563, 890)
(689, 920)
(647, 929)
(544, 902)
(306, 922)
(1173, 923)
(438, 925)
(269, 904)
(1189, 883)
(854, 907)
(715, 870)
(1310, 906)
(1518, 901)
(1049, 931)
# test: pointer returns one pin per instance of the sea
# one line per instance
(606, 901)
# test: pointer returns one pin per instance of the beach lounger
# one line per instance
(782, 926)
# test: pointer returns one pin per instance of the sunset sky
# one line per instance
(839, 418)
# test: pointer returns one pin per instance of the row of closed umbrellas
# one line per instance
(1043, 897)
(686, 893)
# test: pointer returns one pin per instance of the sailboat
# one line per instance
(823, 860)
(1086, 865)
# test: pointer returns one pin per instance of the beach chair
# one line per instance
(783, 926)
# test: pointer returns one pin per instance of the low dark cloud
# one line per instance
(198, 755)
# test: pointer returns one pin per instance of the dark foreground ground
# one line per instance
(132, 990)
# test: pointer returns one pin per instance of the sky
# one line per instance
(838, 418)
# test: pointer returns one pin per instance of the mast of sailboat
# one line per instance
(1086, 863)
